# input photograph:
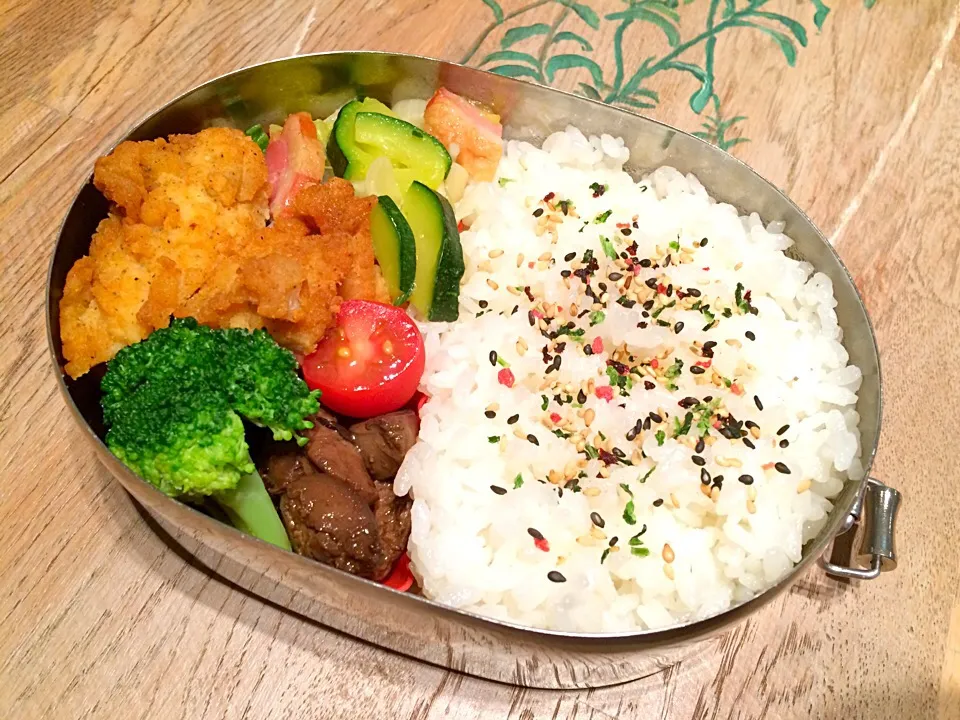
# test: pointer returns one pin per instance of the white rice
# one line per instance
(470, 546)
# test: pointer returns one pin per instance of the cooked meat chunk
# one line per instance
(329, 522)
(384, 441)
(333, 510)
(285, 465)
(335, 455)
(393, 523)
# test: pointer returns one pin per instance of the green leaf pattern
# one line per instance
(549, 49)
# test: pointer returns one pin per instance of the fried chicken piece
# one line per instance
(290, 278)
(186, 237)
(175, 202)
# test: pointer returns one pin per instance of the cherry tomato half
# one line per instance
(370, 363)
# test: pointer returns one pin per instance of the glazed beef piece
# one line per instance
(327, 521)
(330, 449)
(385, 440)
(334, 512)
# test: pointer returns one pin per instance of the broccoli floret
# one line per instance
(173, 404)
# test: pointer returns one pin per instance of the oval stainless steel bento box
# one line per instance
(413, 625)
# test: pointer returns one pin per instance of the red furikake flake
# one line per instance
(505, 377)
(605, 392)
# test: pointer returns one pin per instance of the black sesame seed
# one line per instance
(531, 438)
(538, 212)
(782, 430)
(782, 468)
(614, 276)
(619, 453)
(565, 273)
(597, 520)
(696, 369)
(569, 256)
(749, 335)
(626, 231)
(613, 541)
(498, 490)
(535, 534)
(692, 292)
(490, 414)
(658, 502)
(651, 283)
(632, 434)
(757, 402)
(688, 402)
(646, 424)
(709, 344)
(493, 357)
(703, 242)
(648, 385)
(698, 461)
(648, 305)
(704, 476)
(645, 263)
(656, 417)
(746, 479)
(749, 443)
(512, 419)
(587, 350)
(677, 328)
(554, 576)
(718, 481)
(531, 318)
(483, 303)
(581, 397)
(751, 424)
(700, 446)
(784, 443)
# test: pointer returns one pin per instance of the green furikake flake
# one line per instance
(629, 513)
(518, 481)
(706, 411)
(656, 313)
(597, 317)
(560, 433)
(674, 245)
(604, 555)
(544, 402)
(636, 544)
(501, 362)
(602, 217)
(565, 206)
(660, 436)
(493, 439)
(591, 452)
(608, 248)
(645, 477)
(504, 180)
(675, 369)
(684, 427)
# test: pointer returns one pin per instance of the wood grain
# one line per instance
(101, 618)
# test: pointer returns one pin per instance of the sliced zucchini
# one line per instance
(348, 159)
(395, 248)
(406, 145)
(436, 292)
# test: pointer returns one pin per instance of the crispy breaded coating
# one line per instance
(186, 236)
(174, 203)
(291, 278)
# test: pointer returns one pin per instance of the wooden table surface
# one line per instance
(853, 109)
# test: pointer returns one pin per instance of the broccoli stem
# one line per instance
(251, 510)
